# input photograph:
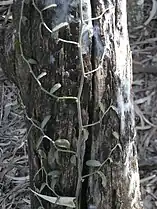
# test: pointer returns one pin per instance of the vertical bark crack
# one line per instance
(87, 156)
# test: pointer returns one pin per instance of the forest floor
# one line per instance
(14, 179)
(143, 41)
(145, 99)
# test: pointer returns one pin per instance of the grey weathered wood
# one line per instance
(106, 88)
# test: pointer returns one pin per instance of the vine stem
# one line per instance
(27, 62)
(80, 143)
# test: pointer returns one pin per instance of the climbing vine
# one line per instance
(63, 145)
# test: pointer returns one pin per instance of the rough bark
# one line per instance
(98, 126)
(113, 82)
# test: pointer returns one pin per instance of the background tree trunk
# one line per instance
(86, 149)
(135, 13)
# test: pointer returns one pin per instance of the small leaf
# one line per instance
(17, 44)
(24, 19)
(32, 61)
(27, 1)
(42, 154)
(62, 143)
(115, 134)
(49, 6)
(93, 163)
(51, 155)
(39, 142)
(44, 122)
(53, 183)
(110, 159)
(55, 88)
(64, 201)
(85, 134)
(101, 107)
(103, 178)
(42, 187)
(41, 75)
(61, 25)
(37, 190)
(54, 174)
(115, 109)
(40, 207)
(56, 155)
(73, 159)
(120, 147)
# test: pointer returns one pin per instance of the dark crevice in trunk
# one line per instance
(114, 197)
(34, 160)
(87, 156)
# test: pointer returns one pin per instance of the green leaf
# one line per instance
(93, 163)
(103, 178)
(44, 122)
(49, 6)
(62, 143)
(17, 44)
(61, 25)
(41, 75)
(32, 61)
(55, 88)
(64, 201)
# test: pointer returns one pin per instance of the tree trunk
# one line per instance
(75, 75)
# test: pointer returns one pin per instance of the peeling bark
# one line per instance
(105, 100)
